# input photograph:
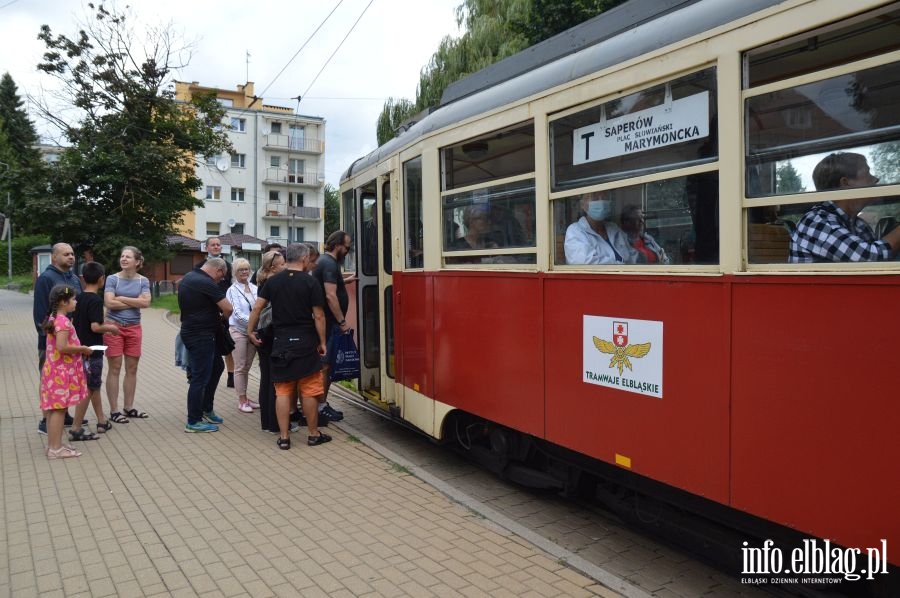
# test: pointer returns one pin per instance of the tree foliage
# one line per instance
(332, 209)
(886, 162)
(26, 176)
(130, 171)
(494, 30)
(787, 179)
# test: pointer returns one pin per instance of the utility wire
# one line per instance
(336, 50)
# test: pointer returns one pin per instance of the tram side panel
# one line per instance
(815, 406)
(414, 331)
(680, 438)
(488, 347)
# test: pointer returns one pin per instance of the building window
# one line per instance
(225, 102)
(276, 128)
(295, 199)
(275, 161)
(237, 194)
(296, 233)
(210, 160)
(212, 229)
(239, 160)
(274, 196)
(239, 124)
(274, 231)
(238, 229)
(213, 193)
(295, 170)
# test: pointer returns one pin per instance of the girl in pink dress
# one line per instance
(63, 382)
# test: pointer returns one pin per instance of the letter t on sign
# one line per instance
(587, 145)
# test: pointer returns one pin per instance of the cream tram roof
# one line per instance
(627, 31)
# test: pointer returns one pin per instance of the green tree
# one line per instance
(26, 178)
(332, 209)
(787, 179)
(886, 162)
(130, 173)
(494, 30)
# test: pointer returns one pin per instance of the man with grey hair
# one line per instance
(298, 320)
(203, 305)
(62, 260)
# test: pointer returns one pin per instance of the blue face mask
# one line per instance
(599, 209)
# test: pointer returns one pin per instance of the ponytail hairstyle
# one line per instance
(61, 293)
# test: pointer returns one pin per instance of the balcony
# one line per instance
(281, 176)
(291, 143)
(282, 211)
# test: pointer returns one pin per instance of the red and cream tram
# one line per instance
(720, 378)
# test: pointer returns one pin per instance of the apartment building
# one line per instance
(273, 185)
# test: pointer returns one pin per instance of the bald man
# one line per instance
(60, 271)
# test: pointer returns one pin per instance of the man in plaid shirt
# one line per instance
(831, 231)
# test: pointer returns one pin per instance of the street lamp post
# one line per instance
(10, 235)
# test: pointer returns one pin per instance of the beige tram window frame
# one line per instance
(812, 196)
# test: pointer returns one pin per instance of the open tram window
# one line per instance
(664, 127)
(412, 193)
(500, 154)
(497, 222)
(668, 222)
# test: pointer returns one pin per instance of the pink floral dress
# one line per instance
(63, 382)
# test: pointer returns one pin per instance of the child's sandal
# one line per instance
(82, 434)
(104, 427)
(118, 417)
(63, 452)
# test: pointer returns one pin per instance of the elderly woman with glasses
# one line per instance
(242, 295)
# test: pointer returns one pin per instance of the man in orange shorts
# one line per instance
(298, 319)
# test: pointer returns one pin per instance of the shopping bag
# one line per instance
(344, 359)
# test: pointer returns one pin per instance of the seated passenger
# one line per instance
(593, 240)
(634, 225)
(832, 231)
(479, 231)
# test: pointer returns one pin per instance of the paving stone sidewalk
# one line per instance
(151, 511)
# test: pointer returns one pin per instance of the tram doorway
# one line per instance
(371, 230)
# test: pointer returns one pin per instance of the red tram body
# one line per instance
(725, 380)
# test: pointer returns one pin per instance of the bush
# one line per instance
(20, 257)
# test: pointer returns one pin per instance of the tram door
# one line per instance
(375, 334)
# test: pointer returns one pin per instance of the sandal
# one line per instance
(82, 434)
(104, 427)
(317, 440)
(283, 443)
(117, 417)
(135, 414)
(63, 452)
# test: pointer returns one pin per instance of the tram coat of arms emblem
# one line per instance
(621, 351)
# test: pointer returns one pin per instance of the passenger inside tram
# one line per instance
(832, 231)
(635, 227)
(594, 238)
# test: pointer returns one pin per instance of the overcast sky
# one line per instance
(381, 58)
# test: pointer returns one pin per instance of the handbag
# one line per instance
(224, 342)
(264, 330)
(344, 358)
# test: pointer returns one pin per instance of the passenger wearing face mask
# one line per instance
(593, 239)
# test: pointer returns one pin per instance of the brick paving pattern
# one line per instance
(151, 511)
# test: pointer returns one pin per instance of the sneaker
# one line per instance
(245, 408)
(332, 413)
(201, 427)
(296, 416)
(42, 427)
(323, 418)
(253, 404)
(322, 438)
(212, 417)
(295, 427)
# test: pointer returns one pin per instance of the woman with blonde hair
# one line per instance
(242, 295)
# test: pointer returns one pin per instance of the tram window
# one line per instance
(854, 39)
(412, 191)
(776, 233)
(386, 258)
(680, 224)
(661, 128)
(500, 154)
(490, 219)
(348, 210)
(368, 245)
(857, 112)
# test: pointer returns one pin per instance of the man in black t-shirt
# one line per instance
(298, 321)
(333, 282)
(203, 305)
